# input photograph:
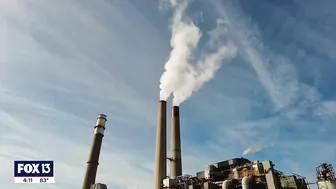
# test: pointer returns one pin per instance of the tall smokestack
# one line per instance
(160, 169)
(92, 164)
(176, 161)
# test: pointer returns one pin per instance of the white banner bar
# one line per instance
(34, 180)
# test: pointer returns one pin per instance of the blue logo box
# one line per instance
(37, 168)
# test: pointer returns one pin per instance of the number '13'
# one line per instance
(45, 168)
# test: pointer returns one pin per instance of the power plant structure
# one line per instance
(237, 173)
(92, 164)
(175, 160)
(160, 165)
(160, 169)
(325, 175)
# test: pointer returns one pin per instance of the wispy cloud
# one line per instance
(297, 106)
(63, 63)
(30, 139)
(59, 70)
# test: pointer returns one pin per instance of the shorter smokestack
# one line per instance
(92, 164)
(160, 169)
(176, 160)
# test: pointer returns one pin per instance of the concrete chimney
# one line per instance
(160, 169)
(92, 164)
(176, 161)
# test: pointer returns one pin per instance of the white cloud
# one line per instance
(32, 136)
(35, 139)
(58, 71)
(295, 103)
(328, 108)
(250, 47)
(275, 71)
(8, 4)
(63, 63)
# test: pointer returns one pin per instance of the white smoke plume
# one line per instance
(182, 76)
(256, 147)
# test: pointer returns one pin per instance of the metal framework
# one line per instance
(325, 172)
(184, 181)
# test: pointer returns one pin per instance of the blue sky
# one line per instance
(62, 63)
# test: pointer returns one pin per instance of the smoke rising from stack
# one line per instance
(182, 76)
(256, 147)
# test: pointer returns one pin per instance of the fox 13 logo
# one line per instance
(34, 171)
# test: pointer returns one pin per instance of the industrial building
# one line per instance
(325, 175)
(237, 173)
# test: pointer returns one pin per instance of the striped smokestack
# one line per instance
(176, 161)
(160, 169)
(92, 164)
